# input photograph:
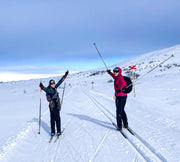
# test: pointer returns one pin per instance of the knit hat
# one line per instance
(51, 82)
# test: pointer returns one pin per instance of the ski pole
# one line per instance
(40, 113)
(153, 69)
(63, 93)
(100, 55)
(157, 66)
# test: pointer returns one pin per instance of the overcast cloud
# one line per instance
(46, 34)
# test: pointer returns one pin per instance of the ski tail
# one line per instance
(121, 131)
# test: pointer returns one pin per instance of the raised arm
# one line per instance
(110, 73)
(62, 79)
(42, 87)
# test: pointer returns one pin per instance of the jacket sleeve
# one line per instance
(113, 76)
(48, 97)
(60, 81)
(45, 89)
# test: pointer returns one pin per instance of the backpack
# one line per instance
(129, 84)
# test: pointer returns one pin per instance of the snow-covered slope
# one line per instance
(88, 111)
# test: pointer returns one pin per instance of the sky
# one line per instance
(42, 37)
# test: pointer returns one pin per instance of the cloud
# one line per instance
(27, 69)
(5, 77)
(52, 32)
(11, 76)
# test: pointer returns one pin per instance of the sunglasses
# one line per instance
(52, 83)
(116, 70)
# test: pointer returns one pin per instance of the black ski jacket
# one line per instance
(52, 94)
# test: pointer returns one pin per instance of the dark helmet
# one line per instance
(51, 82)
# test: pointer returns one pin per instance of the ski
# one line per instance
(121, 131)
(59, 135)
(51, 139)
(130, 131)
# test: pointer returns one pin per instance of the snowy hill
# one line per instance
(87, 114)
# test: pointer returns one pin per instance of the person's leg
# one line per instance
(124, 116)
(52, 121)
(58, 120)
(118, 112)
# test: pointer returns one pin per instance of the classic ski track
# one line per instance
(131, 144)
(69, 146)
(74, 149)
(49, 147)
(56, 148)
(100, 145)
(147, 146)
(53, 158)
(160, 157)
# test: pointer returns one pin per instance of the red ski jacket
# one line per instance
(120, 82)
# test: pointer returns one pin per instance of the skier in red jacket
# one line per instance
(119, 84)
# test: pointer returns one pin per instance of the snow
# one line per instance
(88, 111)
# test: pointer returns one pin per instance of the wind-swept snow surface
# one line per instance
(88, 112)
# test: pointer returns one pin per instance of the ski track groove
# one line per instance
(100, 145)
(57, 143)
(142, 142)
(57, 146)
(70, 146)
(149, 146)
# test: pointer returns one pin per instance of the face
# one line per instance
(53, 85)
(116, 74)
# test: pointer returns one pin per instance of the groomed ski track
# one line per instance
(142, 147)
(84, 121)
(89, 134)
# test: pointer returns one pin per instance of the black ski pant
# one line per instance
(120, 113)
(55, 118)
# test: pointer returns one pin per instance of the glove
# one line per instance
(41, 85)
(108, 71)
(67, 72)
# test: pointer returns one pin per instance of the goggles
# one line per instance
(116, 70)
(52, 83)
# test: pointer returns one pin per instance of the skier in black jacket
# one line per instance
(54, 103)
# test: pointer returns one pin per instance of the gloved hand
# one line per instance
(108, 71)
(41, 85)
(67, 72)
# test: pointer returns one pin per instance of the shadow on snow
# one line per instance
(93, 120)
(44, 125)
